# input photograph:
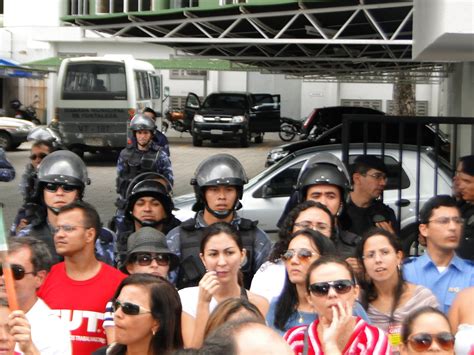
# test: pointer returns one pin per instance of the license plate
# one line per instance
(217, 131)
(93, 141)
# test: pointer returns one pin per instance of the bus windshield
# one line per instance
(95, 81)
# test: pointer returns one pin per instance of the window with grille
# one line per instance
(1, 7)
(178, 102)
(375, 104)
(178, 4)
(187, 74)
(421, 108)
(230, 2)
(78, 7)
(117, 6)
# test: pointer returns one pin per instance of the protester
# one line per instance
(426, 330)
(332, 291)
(80, 287)
(461, 318)
(387, 297)
(222, 254)
(229, 310)
(147, 317)
(292, 308)
(31, 261)
(440, 269)
(218, 186)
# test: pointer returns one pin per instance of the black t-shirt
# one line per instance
(361, 219)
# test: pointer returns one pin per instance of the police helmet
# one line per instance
(140, 122)
(323, 169)
(150, 175)
(63, 167)
(149, 188)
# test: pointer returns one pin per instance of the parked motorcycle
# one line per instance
(289, 128)
(177, 120)
(24, 112)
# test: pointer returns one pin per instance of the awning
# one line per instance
(12, 69)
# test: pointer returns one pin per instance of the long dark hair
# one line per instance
(286, 229)
(367, 284)
(165, 308)
(288, 300)
(407, 325)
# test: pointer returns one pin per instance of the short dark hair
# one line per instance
(363, 163)
(91, 217)
(329, 259)
(44, 142)
(218, 228)
(41, 257)
(150, 110)
(433, 203)
(407, 325)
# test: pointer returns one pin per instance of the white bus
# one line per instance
(98, 96)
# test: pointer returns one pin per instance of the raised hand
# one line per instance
(208, 286)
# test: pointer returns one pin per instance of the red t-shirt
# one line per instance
(82, 303)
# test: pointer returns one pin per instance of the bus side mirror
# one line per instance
(166, 92)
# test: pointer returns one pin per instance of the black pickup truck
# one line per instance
(233, 115)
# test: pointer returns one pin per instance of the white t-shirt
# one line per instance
(269, 280)
(50, 335)
(189, 300)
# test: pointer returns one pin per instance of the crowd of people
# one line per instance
(336, 281)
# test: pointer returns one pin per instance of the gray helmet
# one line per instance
(323, 169)
(150, 175)
(140, 122)
(63, 167)
(219, 170)
(150, 188)
(43, 134)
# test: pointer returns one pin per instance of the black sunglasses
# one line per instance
(39, 156)
(53, 187)
(130, 309)
(322, 288)
(18, 271)
(145, 259)
(422, 341)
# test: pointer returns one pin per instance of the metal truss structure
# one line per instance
(349, 40)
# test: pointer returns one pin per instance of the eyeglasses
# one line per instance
(53, 187)
(382, 253)
(377, 176)
(445, 220)
(18, 271)
(303, 254)
(67, 228)
(422, 341)
(319, 226)
(129, 308)
(38, 156)
(147, 258)
(322, 288)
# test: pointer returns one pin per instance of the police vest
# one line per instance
(191, 268)
(136, 162)
(466, 245)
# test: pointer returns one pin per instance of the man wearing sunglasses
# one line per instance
(79, 288)
(440, 269)
(62, 178)
(30, 261)
(364, 209)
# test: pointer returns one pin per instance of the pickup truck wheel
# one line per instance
(197, 142)
(244, 140)
(259, 138)
(5, 141)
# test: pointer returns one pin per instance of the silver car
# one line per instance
(266, 194)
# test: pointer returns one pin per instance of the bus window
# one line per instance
(95, 81)
(142, 85)
(156, 86)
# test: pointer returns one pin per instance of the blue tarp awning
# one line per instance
(11, 69)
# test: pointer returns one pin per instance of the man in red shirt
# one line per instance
(79, 288)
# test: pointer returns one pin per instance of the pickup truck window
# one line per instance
(225, 101)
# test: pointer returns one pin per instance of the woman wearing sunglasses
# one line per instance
(291, 308)
(427, 330)
(222, 254)
(388, 298)
(147, 316)
(461, 318)
(332, 291)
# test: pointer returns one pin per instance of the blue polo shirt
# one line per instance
(445, 285)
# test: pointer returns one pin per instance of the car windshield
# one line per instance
(225, 101)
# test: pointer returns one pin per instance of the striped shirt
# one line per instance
(365, 339)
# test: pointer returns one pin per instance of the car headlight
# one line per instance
(276, 155)
(238, 119)
(199, 118)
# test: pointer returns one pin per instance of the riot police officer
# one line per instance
(149, 204)
(142, 155)
(464, 183)
(7, 171)
(62, 178)
(218, 186)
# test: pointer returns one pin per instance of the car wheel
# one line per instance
(259, 138)
(410, 244)
(244, 140)
(5, 141)
(197, 142)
